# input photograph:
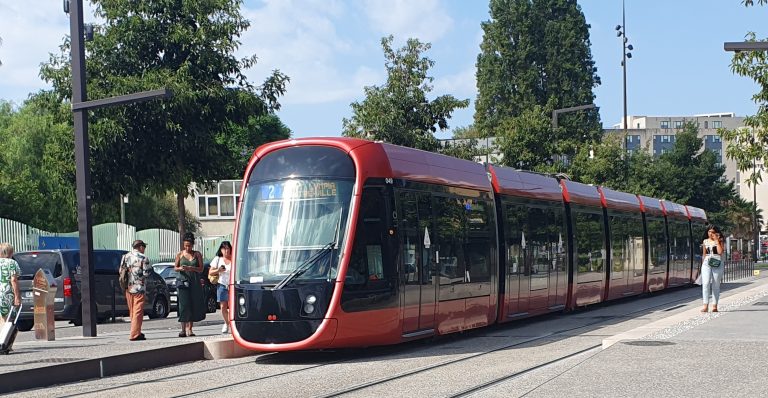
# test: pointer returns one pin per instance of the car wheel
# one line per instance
(79, 320)
(212, 304)
(25, 325)
(159, 308)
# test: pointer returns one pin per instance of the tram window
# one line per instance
(535, 238)
(657, 242)
(626, 245)
(450, 231)
(589, 239)
(680, 243)
(367, 263)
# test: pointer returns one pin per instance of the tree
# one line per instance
(525, 140)
(537, 52)
(399, 112)
(603, 164)
(187, 46)
(749, 145)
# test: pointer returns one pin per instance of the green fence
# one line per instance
(162, 244)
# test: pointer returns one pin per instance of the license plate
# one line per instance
(28, 294)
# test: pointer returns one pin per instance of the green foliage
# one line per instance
(602, 163)
(466, 148)
(146, 211)
(201, 133)
(399, 112)
(537, 53)
(525, 140)
(749, 144)
(466, 132)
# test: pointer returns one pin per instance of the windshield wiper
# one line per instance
(305, 266)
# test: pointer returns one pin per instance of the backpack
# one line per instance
(125, 273)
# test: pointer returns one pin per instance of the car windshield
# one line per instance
(285, 223)
(169, 272)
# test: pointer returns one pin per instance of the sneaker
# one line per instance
(225, 329)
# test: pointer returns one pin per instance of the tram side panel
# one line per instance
(589, 254)
(535, 247)
(627, 254)
(370, 301)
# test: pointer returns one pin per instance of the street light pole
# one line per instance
(751, 46)
(80, 107)
(625, 54)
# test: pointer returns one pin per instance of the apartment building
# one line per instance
(658, 135)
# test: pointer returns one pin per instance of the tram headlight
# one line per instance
(311, 299)
(241, 306)
(309, 308)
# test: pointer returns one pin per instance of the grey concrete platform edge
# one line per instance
(654, 327)
(119, 364)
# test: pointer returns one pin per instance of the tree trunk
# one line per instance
(181, 213)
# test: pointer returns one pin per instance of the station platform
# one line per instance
(687, 353)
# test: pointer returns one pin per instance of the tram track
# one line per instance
(494, 382)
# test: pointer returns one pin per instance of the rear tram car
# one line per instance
(344, 242)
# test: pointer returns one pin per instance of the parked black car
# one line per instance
(211, 304)
(64, 265)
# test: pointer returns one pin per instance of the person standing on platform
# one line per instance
(191, 299)
(221, 265)
(711, 267)
(138, 271)
(9, 281)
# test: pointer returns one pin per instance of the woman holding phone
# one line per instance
(221, 265)
(711, 267)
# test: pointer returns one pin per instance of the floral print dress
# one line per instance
(8, 268)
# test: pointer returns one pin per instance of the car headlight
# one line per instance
(311, 299)
(309, 308)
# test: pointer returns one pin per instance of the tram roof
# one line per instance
(651, 206)
(508, 181)
(582, 194)
(696, 214)
(617, 200)
(675, 210)
(430, 167)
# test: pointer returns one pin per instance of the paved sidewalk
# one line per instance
(34, 364)
(680, 355)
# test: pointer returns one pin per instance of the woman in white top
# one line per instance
(221, 266)
(711, 267)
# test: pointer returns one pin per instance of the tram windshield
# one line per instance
(291, 230)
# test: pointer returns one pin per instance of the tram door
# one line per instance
(419, 268)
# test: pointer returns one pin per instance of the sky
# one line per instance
(331, 50)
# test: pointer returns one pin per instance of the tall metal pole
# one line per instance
(756, 232)
(624, 67)
(82, 170)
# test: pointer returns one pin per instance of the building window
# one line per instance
(218, 199)
(678, 124)
(706, 124)
(665, 124)
(716, 124)
(664, 138)
(716, 138)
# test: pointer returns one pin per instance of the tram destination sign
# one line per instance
(299, 190)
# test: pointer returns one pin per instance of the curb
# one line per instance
(101, 367)
(645, 330)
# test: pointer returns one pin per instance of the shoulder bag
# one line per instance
(214, 278)
(714, 262)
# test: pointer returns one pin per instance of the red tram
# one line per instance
(344, 242)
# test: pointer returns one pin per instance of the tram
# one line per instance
(343, 242)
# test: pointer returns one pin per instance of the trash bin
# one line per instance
(44, 293)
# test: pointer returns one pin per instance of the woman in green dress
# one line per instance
(191, 299)
(9, 280)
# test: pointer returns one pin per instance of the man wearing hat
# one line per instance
(137, 265)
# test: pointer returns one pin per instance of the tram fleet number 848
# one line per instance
(344, 242)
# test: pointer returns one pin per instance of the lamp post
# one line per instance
(621, 32)
(738, 47)
(557, 112)
(80, 108)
